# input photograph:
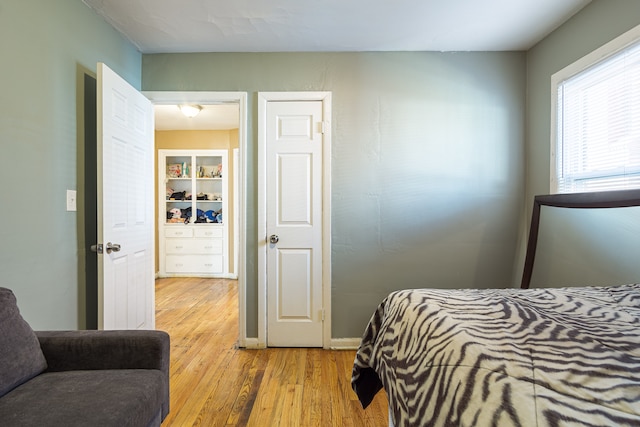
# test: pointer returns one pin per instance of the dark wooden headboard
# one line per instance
(597, 200)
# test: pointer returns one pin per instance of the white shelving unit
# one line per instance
(192, 208)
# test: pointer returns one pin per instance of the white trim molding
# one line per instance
(345, 343)
(608, 49)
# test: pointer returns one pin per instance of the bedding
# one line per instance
(505, 357)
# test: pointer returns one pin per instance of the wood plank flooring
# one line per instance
(213, 383)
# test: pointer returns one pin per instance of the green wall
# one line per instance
(46, 48)
(597, 248)
(433, 171)
(427, 163)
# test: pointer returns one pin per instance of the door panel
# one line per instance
(294, 215)
(294, 198)
(125, 204)
(294, 294)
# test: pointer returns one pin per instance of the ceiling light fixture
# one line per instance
(190, 110)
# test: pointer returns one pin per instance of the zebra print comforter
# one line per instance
(507, 357)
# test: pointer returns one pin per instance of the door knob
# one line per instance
(112, 247)
(274, 239)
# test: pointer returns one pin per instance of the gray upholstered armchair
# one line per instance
(80, 378)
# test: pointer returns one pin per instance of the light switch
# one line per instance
(71, 200)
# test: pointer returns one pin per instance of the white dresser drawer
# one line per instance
(194, 263)
(208, 231)
(178, 246)
(207, 246)
(193, 246)
(178, 231)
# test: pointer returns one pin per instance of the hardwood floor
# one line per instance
(213, 383)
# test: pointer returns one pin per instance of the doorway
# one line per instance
(208, 101)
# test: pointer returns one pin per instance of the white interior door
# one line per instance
(125, 205)
(294, 223)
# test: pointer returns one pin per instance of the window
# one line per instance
(596, 142)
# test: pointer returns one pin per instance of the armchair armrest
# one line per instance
(91, 350)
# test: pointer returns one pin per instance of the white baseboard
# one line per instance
(203, 275)
(252, 344)
(345, 343)
(335, 344)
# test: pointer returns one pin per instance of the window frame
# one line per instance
(597, 56)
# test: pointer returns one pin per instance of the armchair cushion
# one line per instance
(96, 398)
(21, 357)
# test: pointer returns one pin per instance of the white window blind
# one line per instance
(598, 126)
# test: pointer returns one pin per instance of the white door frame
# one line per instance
(235, 160)
(263, 99)
(191, 97)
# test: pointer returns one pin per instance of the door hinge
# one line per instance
(322, 314)
(324, 126)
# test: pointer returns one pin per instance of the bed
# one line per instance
(508, 357)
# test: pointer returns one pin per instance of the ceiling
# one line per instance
(163, 26)
(172, 26)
